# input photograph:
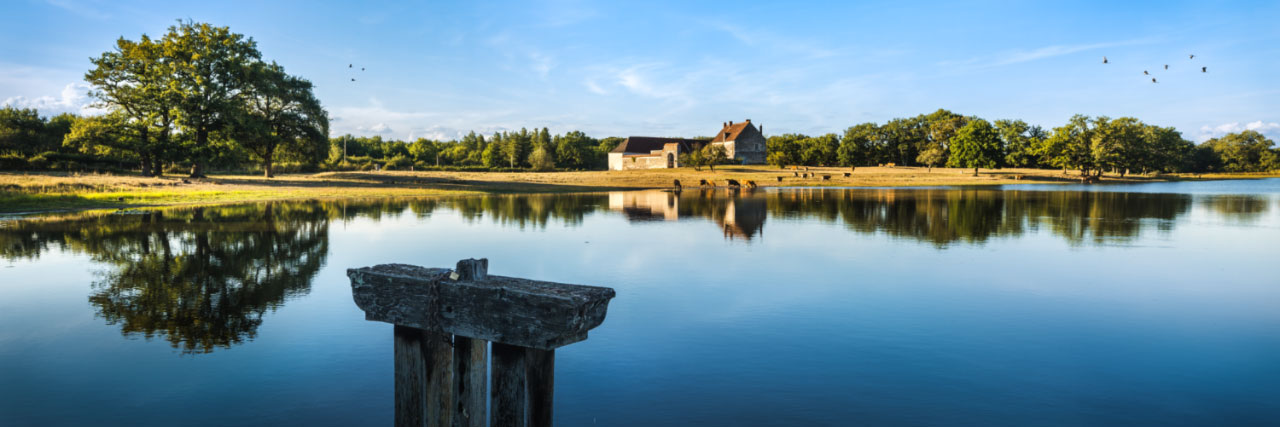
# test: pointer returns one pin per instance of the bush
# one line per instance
(38, 162)
(13, 162)
(398, 162)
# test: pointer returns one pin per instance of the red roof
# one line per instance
(731, 131)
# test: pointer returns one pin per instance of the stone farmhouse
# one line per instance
(743, 143)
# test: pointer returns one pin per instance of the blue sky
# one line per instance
(681, 68)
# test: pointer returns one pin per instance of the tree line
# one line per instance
(525, 149)
(1092, 145)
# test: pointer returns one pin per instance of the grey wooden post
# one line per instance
(508, 391)
(525, 320)
(411, 377)
(470, 359)
(541, 366)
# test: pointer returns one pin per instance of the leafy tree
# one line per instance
(1070, 146)
(208, 65)
(901, 140)
(785, 149)
(138, 79)
(425, 151)
(976, 145)
(821, 150)
(715, 154)
(695, 158)
(281, 113)
(541, 159)
(1241, 152)
(1019, 140)
(573, 150)
(21, 131)
(857, 148)
(932, 156)
(108, 135)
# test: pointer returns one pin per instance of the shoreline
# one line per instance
(33, 194)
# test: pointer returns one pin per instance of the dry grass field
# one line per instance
(51, 191)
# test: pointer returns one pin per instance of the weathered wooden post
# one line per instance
(444, 320)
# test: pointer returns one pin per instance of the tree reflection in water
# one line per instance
(204, 277)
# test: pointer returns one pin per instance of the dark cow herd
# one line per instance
(733, 183)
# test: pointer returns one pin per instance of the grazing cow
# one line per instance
(751, 185)
(703, 183)
(732, 183)
(848, 174)
(889, 165)
(795, 174)
(779, 179)
(826, 177)
(1017, 177)
(677, 184)
(806, 168)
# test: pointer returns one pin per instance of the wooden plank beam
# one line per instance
(471, 303)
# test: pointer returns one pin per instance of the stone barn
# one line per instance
(743, 143)
(646, 152)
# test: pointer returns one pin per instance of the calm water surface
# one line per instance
(1152, 304)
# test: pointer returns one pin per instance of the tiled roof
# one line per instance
(731, 131)
(645, 144)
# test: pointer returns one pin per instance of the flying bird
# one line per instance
(1204, 69)
(362, 68)
(1193, 56)
(349, 65)
(1166, 66)
(1104, 60)
(353, 80)
(1145, 73)
(1153, 80)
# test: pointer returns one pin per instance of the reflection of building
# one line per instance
(742, 142)
(739, 214)
(744, 217)
(646, 205)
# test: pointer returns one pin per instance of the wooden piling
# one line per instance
(411, 377)
(470, 361)
(507, 390)
(541, 366)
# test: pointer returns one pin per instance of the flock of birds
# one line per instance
(1166, 66)
(352, 67)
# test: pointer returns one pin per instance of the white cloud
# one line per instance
(595, 87)
(73, 99)
(1271, 129)
(380, 128)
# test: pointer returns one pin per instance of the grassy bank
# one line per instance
(51, 191)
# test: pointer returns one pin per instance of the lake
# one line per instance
(1152, 304)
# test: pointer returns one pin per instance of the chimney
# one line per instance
(748, 121)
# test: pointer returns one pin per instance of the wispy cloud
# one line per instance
(756, 37)
(87, 9)
(74, 98)
(1019, 56)
(1271, 129)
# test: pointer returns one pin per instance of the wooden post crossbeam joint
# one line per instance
(444, 320)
